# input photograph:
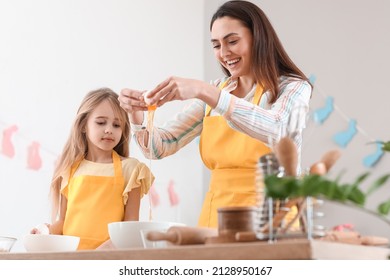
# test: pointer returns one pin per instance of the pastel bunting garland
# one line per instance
(343, 138)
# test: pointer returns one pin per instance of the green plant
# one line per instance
(385, 146)
(384, 207)
(320, 186)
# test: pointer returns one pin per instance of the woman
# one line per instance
(235, 119)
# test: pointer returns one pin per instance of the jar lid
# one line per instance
(236, 208)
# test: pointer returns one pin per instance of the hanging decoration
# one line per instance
(34, 160)
(7, 147)
(154, 196)
(173, 197)
(372, 159)
(343, 138)
(321, 115)
(10, 135)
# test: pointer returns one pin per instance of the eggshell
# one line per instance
(318, 168)
(148, 100)
(42, 229)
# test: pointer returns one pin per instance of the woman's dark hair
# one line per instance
(269, 59)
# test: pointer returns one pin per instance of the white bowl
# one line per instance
(50, 243)
(127, 234)
(6, 243)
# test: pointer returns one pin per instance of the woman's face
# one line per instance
(232, 43)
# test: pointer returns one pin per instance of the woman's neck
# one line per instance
(245, 84)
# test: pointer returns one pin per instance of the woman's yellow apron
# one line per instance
(93, 202)
(232, 157)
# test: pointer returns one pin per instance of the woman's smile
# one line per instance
(233, 63)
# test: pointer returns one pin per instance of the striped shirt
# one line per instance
(266, 122)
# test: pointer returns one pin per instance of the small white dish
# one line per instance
(6, 243)
(50, 243)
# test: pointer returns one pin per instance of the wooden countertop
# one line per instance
(280, 250)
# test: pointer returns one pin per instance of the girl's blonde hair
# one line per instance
(76, 147)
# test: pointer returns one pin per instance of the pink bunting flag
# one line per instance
(154, 196)
(34, 160)
(173, 197)
(7, 147)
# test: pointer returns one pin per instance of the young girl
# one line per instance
(95, 181)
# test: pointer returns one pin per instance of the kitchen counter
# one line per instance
(280, 250)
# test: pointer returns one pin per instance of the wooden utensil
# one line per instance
(219, 239)
(183, 235)
(329, 158)
(246, 236)
(301, 205)
(318, 168)
(374, 240)
(353, 237)
(287, 155)
(281, 214)
(242, 236)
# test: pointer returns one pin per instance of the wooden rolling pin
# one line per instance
(183, 235)
(374, 240)
(352, 237)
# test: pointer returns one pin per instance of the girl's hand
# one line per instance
(41, 229)
(132, 100)
(107, 245)
(175, 88)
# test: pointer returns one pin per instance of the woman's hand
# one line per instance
(175, 88)
(132, 101)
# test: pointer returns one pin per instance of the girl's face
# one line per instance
(232, 43)
(103, 130)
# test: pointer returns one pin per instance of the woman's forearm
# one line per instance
(136, 117)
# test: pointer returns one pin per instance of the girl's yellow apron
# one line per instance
(93, 202)
(232, 157)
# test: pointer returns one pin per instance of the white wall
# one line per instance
(54, 52)
(345, 45)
